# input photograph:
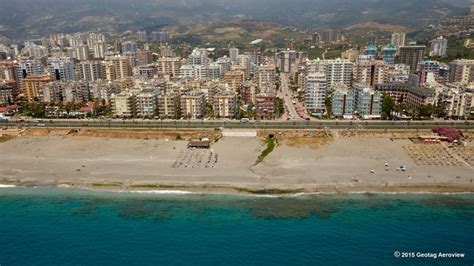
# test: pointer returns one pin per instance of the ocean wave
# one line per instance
(177, 192)
(375, 192)
(6, 186)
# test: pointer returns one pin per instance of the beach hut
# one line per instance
(199, 145)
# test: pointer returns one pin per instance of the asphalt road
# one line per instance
(287, 97)
(232, 124)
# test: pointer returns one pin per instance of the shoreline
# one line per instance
(247, 191)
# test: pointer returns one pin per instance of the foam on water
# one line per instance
(174, 192)
(6, 186)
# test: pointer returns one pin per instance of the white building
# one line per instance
(34, 50)
(169, 66)
(61, 68)
(398, 39)
(129, 48)
(91, 70)
(212, 71)
(103, 90)
(193, 104)
(123, 104)
(234, 55)
(315, 93)
(337, 71)
(142, 36)
(287, 61)
(225, 104)
(29, 67)
(266, 76)
(99, 50)
(82, 52)
(147, 103)
(461, 71)
(198, 57)
(439, 46)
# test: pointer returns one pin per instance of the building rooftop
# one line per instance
(404, 87)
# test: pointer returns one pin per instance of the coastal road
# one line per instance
(232, 124)
(287, 96)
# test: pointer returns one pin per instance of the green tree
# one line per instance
(426, 110)
(387, 106)
(328, 104)
(210, 112)
(440, 108)
(34, 109)
(279, 109)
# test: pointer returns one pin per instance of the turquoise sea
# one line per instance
(50, 226)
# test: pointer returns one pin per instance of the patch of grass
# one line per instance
(271, 143)
(302, 141)
(111, 184)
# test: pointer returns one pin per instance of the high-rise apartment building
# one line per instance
(166, 51)
(368, 102)
(118, 68)
(389, 53)
(144, 57)
(128, 48)
(343, 102)
(338, 71)
(123, 104)
(103, 90)
(169, 105)
(91, 70)
(287, 61)
(142, 36)
(234, 78)
(99, 50)
(225, 104)
(411, 56)
(265, 105)
(6, 95)
(461, 71)
(371, 50)
(331, 36)
(234, 55)
(439, 46)
(29, 67)
(193, 105)
(82, 52)
(32, 87)
(169, 66)
(61, 68)
(315, 93)
(159, 36)
(8, 70)
(266, 76)
(398, 39)
(72, 91)
(147, 103)
(370, 73)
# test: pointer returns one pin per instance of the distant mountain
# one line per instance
(34, 18)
